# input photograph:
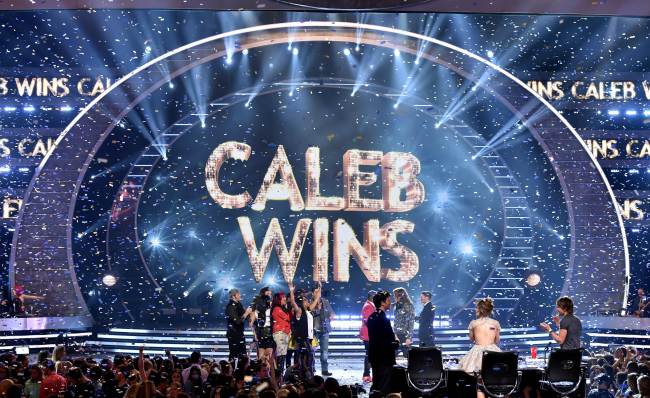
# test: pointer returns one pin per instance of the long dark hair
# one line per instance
(277, 301)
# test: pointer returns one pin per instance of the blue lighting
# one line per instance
(5, 169)
(346, 52)
(613, 112)
(9, 108)
(646, 112)
(67, 108)
(155, 242)
(294, 51)
(467, 248)
(490, 53)
(29, 108)
(630, 112)
(245, 51)
(396, 52)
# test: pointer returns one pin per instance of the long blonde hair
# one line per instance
(401, 296)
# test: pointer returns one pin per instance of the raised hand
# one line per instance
(545, 326)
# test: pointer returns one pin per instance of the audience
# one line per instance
(625, 374)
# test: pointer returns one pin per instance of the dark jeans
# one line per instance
(402, 347)
(381, 378)
(304, 355)
(366, 363)
(427, 340)
(324, 340)
(236, 347)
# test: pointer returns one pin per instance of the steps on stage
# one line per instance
(342, 343)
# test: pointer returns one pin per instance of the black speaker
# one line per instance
(460, 384)
(425, 371)
(398, 380)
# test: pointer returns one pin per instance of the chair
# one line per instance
(563, 372)
(499, 375)
(425, 369)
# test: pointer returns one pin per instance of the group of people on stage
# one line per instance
(404, 322)
(284, 328)
(287, 328)
(383, 341)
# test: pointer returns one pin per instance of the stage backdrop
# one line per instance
(362, 151)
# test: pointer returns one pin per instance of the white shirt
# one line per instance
(310, 325)
(267, 318)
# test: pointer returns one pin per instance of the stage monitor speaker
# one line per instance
(425, 369)
(398, 380)
(460, 384)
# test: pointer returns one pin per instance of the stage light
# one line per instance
(561, 237)
(490, 53)
(147, 50)
(533, 279)
(245, 51)
(467, 248)
(294, 51)
(5, 169)
(357, 48)
(66, 108)
(646, 112)
(9, 108)
(210, 294)
(29, 108)
(23, 169)
(346, 52)
(203, 124)
(613, 112)
(109, 280)
(630, 112)
(171, 85)
(228, 60)
(155, 242)
(186, 293)
(396, 52)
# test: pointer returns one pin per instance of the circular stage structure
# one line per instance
(119, 223)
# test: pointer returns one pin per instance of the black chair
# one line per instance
(563, 372)
(425, 369)
(499, 375)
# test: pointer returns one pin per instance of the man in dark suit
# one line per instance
(382, 343)
(425, 332)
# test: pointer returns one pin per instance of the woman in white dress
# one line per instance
(484, 332)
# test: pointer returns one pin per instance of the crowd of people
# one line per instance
(286, 328)
(623, 373)
(58, 375)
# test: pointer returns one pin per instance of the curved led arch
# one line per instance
(318, 24)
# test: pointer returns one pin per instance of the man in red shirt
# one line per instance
(366, 311)
(52, 383)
